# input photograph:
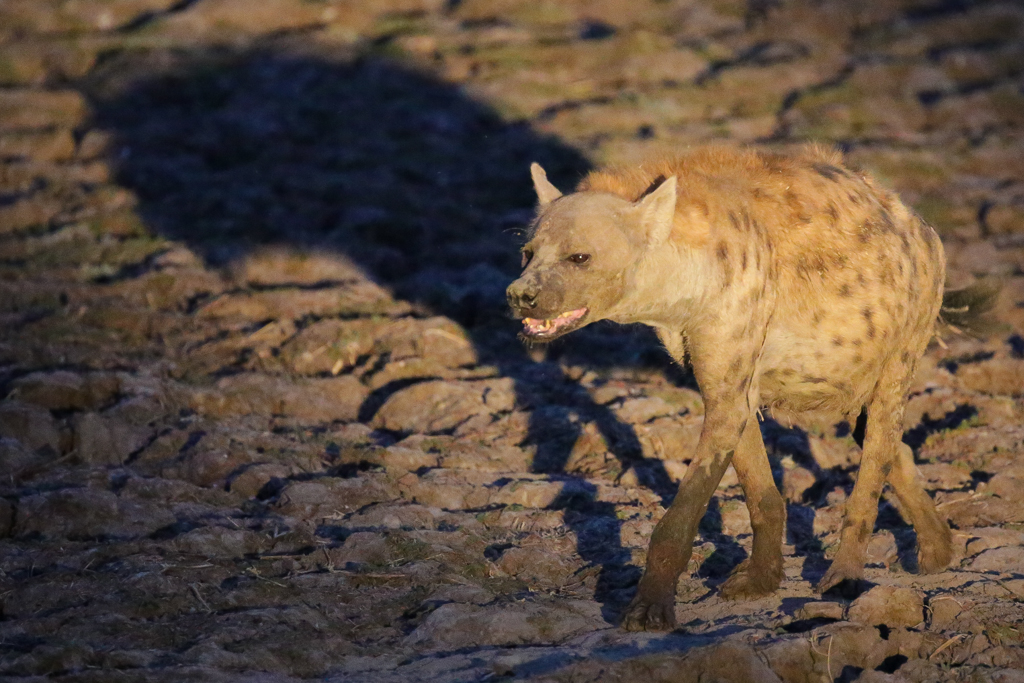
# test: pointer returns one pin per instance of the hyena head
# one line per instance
(582, 250)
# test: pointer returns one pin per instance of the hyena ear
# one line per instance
(658, 211)
(546, 192)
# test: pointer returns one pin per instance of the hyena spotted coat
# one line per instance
(791, 283)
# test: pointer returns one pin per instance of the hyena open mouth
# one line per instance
(553, 327)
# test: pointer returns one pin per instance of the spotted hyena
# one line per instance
(791, 283)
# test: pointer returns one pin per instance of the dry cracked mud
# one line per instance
(265, 417)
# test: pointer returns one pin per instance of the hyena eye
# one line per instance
(579, 259)
(527, 256)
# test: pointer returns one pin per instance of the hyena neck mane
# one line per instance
(675, 283)
(668, 286)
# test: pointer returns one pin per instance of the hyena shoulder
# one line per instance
(749, 190)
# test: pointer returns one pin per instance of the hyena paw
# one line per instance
(934, 556)
(751, 581)
(644, 614)
(838, 573)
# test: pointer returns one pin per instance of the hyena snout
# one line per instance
(522, 296)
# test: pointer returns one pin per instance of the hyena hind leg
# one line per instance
(934, 539)
(761, 573)
(882, 435)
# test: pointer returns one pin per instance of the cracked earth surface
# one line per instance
(265, 417)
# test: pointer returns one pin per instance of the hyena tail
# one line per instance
(966, 310)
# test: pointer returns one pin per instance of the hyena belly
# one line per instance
(841, 320)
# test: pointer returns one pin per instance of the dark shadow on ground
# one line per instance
(421, 186)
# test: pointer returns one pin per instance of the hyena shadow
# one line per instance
(419, 185)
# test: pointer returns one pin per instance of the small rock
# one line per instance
(438, 406)
(735, 663)
(331, 345)
(540, 520)
(998, 376)
(394, 548)
(469, 594)
(547, 564)
(944, 476)
(820, 610)
(529, 494)
(277, 266)
(398, 460)
(670, 438)
(171, 491)
(609, 392)
(828, 520)
(56, 145)
(209, 466)
(636, 533)
(644, 409)
(1007, 484)
(444, 343)
(356, 297)
(394, 516)
(31, 425)
(829, 453)
(675, 470)
(63, 390)
(1009, 559)
(107, 440)
(362, 547)
(328, 496)
(983, 538)
(471, 454)
(872, 676)
(735, 518)
(35, 61)
(251, 480)
(888, 605)
(882, 548)
(239, 18)
(856, 644)
(970, 511)
(795, 481)
(88, 513)
(312, 400)
(444, 489)
(218, 542)
(26, 213)
(1007, 676)
(405, 370)
(793, 660)
(16, 459)
(415, 347)
(459, 626)
(38, 108)
(943, 610)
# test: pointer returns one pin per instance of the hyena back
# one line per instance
(791, 283)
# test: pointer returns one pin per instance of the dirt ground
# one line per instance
(265, 416)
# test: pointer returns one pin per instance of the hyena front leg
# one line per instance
(882, 441)
(653, 608)
(761, 573)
